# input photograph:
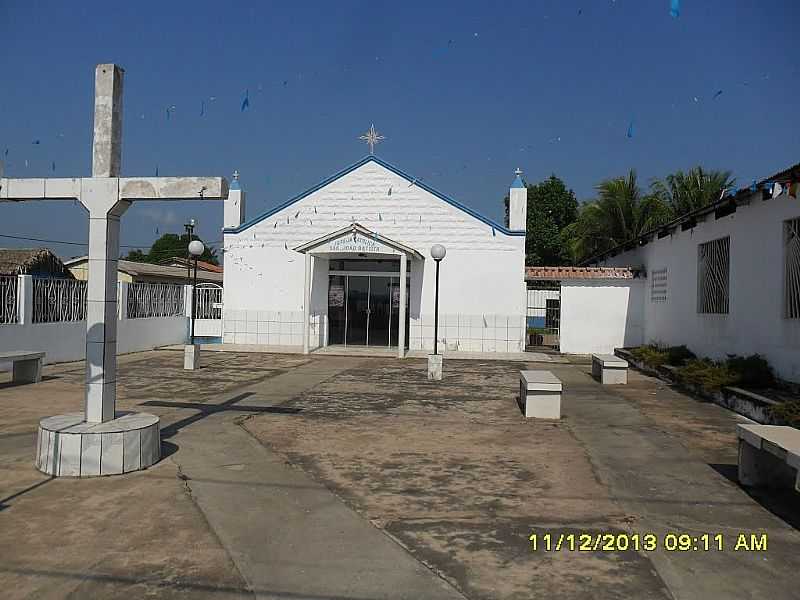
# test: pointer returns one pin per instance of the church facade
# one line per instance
(348, 263)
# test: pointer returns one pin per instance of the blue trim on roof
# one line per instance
(393, 169)
(518, 183)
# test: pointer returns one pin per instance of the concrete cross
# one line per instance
(107, 196)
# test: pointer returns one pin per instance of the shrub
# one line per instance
(651, 355)
(707, 374)
(752, 371)
(787, 412)
(678, 355)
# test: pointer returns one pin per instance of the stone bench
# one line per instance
(769, 455)
(27, 366)
(609, 369)
(540, 394)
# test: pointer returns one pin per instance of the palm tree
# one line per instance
(685, 192)
(619, 214)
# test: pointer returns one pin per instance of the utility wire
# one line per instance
(33, 239)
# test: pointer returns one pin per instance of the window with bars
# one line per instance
(791, 269)
(658, 285)
(713, 276)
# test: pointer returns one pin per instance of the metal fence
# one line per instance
(58, 300)
(8, 299)
(543, 319)
(209, 301)
(154, 300)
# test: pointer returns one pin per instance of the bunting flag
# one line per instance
(717, 95)
(753, 186)
(675, 8)
(793, 189)
(54, 166)
(36, 142)
(630, 130)
(246, 101)
(777, 190)
(202, 107)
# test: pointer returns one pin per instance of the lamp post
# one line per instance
(191, 354)
(435, 360)
(189, 232)
(196, 248)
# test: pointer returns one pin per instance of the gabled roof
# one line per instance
(394, 170)
(26, 261)
(139, 269)
(358, 228)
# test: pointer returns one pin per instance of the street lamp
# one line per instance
(435, 360)
(437, 253)
(189, 232)
(196, 248)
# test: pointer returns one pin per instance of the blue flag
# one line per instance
(246, 101)
(675, 8)
(630, 130)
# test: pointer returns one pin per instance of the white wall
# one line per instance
(755, 322)
(481, 281)
(600, 315)
(66, 341)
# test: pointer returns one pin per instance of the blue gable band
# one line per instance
(391, 168)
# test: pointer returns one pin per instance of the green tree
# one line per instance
(551, 207)
(619, 214)
(685, 192)
(169, 245)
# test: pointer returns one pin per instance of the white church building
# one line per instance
(347, 263)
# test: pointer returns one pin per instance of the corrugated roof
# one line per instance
(559, 273)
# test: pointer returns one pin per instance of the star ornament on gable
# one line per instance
(372, 138)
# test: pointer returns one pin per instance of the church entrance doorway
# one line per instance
(364, 305)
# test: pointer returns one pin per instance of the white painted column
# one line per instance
(187, 300)
(401, 334)
(101, 299)
(306, 303)
(122, 300)
(100, 195)
(24, 299)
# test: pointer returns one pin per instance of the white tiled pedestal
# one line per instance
(191, 357)
(434, 367)
(540, 394)
(68, 446)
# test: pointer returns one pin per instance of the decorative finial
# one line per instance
(236, 175)
(372, 137)
(518, 172)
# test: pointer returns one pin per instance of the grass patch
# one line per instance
(787, 412)
(710, 376)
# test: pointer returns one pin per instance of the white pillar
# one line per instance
(233, 211)
(518, 204)
(401, 326)
(187, 300)
(122, 300)
(100, 197)
(306, 303)
(24, 299)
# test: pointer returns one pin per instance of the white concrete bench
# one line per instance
(609, 369)
(27, 366)
(540, 394)
(769, 455)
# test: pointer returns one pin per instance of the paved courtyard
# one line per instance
(352, 477)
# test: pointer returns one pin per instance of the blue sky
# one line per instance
(464, 92)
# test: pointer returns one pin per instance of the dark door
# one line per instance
(380, 307)
(358, 309)
(337, 308)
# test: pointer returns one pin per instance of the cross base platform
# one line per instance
(68, 446)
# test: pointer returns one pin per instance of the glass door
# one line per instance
(358, 309)
(337, 310)
(380, 307)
